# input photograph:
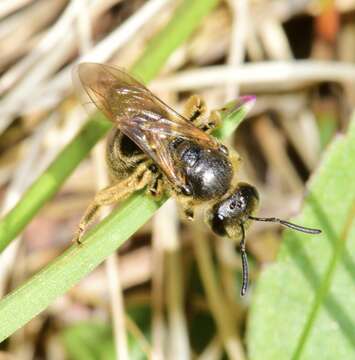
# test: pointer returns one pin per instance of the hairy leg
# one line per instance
(196, 111)
(113, 194)
(157, 187)
(187, 205)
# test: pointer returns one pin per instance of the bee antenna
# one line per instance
(243, 254)
(287, 224)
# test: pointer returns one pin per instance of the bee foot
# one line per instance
(78, 236)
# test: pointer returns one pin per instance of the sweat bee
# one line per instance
(155, 148)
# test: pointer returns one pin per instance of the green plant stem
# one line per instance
(67, 269)
(37, 293)
(186, 19)
(51, 180)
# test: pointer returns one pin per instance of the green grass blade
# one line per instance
(66, 270)
(233, 114)
(184, 22)
(304, 304)
(35, 295)
(51, 180)
(188, 16)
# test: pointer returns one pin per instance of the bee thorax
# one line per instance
(208, 172)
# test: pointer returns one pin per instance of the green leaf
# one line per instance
(93, 340)
(327, 124)
(303, 305)
(233, 113)
(88, 340)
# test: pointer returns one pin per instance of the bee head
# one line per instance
(231, 216)
(228, 215)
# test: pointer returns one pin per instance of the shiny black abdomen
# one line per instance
(208, 172)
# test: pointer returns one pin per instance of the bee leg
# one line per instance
(113, 194)
(196, 111)
(187, 207)
(210, 123)
(157, 187)
(214, 121)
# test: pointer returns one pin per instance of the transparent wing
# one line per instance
(139, 114)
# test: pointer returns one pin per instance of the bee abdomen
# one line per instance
(122, 154)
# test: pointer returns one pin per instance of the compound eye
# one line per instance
(217, 224)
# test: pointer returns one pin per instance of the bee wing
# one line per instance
(139, 114)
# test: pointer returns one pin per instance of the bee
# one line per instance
(153, 147)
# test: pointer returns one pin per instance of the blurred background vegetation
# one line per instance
(172, 290)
